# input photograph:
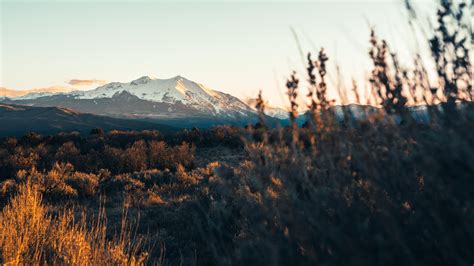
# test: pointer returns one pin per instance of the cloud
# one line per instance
(86, 82)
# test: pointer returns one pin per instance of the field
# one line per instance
(381, 188)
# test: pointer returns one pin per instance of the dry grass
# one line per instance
(29, 234)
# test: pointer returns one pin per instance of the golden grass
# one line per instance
(29, 234)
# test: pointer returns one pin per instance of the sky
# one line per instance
(235, 47)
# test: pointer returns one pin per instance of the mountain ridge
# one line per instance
(20, 119)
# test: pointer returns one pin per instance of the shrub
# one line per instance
(86, 185)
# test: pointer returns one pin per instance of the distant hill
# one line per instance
(19, 120)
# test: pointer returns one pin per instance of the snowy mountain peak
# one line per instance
(142, 80)
(171, 91)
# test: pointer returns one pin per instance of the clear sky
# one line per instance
(235, 47)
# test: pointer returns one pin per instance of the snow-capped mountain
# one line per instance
(270, 110)
(175, 101)
(37, 92)
(277, 112)
(171, 91)
(35, 95)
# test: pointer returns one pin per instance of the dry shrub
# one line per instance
(62, 182)
(86, 185)
(153, 199)
(185, 177)
(162, 156)
(6, 187)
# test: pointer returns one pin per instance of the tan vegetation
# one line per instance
(30, 234)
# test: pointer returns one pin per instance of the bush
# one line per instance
(86, 185)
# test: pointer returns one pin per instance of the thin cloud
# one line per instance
(86, 82)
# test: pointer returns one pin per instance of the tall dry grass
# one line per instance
(31, 234)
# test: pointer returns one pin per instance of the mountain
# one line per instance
(272, 111)
(172, 91)
(276, 112)
(357, 112)
(38, 92)
(176, 101)
(19, 120)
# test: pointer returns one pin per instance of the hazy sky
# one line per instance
(235, 47)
